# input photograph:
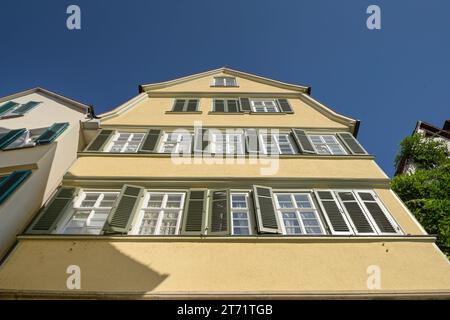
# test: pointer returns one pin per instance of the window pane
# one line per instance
(284, 201)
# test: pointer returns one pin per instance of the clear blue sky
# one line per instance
(388, 78)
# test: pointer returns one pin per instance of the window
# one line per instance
(160, 214)
(89, 214)
(327, 144)
(13, 109)
(226, 105)
(185, 105)
(174, 142)
(277, 144)
(228, 143)
(260, 105)
(125, 142)
(240, 214)
(298, 214)
(225, 82)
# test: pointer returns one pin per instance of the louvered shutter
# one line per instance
(355, 212)
(200, 140)
(47, 220)
(233, 105)
(4, 108)
(333, 214)
(251, 141)
(26, 107)
(10, 183)
(302, 141)
(219, 105)
(285, 106)
(384, 224)
(219, 213)
(266, 215)
(179, 105)
(10, 137)
(125, 208)
(150, 143)
(52, 133)
(100, 140)
(245, 105)
(195, 212)
(351, 143)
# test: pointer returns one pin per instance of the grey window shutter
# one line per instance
(285, 106)
(355, 212)
(200, 140)
(125, 208)
(233, 105)
(195, 212)
(150, 143)
(245, 105)
(52, 133)
(251, 141)
(51, 213)
(219, 105)
(192, 105)
(351, 143)
(26, 107)
(10, 183)
(4, 108)
(10, 137)
(219, 213)
(333, 213)
(302, 141)
(266, 215)
(179, 105)
(377, 213)
(100, 140)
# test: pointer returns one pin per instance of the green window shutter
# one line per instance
(179, 105)
(285, 106)
(219, 105)
(245, 105)
(4, 108)
(333, 213)
(302, 141)
(10, 137)
(351, 143)
(384, 224)
(195, 212)
(125, 208)
(150, 143)
(200, 140)
(233, 105)
(26, 107)
(100, 140)
(52, 133)
(9, 184)
(355, 212)
(266, 215)
(251, 141)
(51, 213)
(192, 105)
(219, 213)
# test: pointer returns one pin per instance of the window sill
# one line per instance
(216, 86)
(223, 113)
(183, 112)
(270, 113)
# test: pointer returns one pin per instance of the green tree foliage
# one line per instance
(426, 192)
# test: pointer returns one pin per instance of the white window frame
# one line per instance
(177, 145)
(11, 112)
(298, 212)
(325, 144)
(185, 105)
(227, 137)
(253, 107)
(216, 84)
(225, 105)
(115, 137)
(137, 226)
(275, 138)
(248, 210)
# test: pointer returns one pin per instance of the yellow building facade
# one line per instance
(224, 184)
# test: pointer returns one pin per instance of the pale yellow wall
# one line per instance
(252, 265)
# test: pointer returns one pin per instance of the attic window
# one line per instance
(225, 82)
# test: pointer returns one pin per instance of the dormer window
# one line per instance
(225, 82)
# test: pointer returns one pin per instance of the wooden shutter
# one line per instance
(351, 143)
(150, 143)
(9, 184)
(285, 106)
(192, 105)
(251, 141)
(384, 224)
(355, 212)
(200, 140)
(52, 133)
(219, 105)
(266, 215)
(4, 108)
(302, 141)
(50, 215)
(333, 213)
(10, 137)
(179, 105)
(245, 105)
(120, 219)
(26, 107)
(219, 213)
(100, 140)
(195, 212)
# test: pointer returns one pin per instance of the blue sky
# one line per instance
(387, 78)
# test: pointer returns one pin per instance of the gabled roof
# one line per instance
(86, 108)
(225, 70)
